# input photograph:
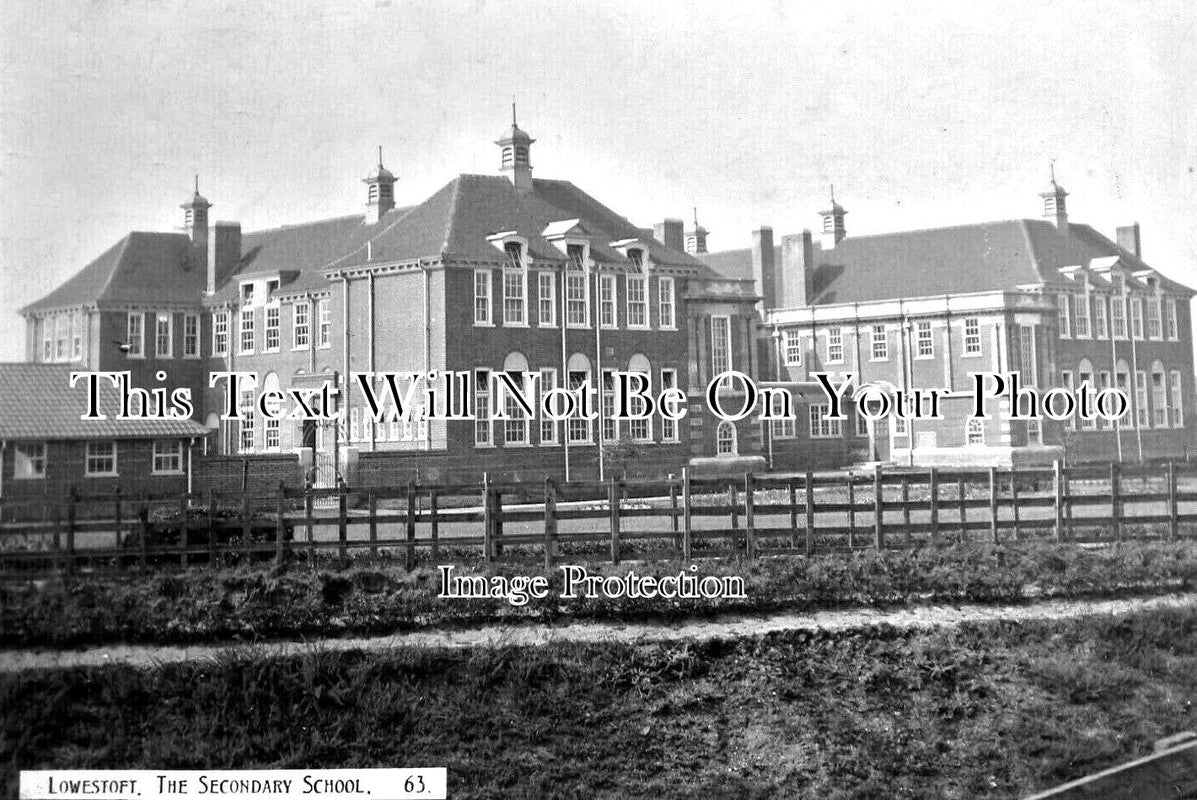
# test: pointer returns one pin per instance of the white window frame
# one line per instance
(169, 318)
(720, 439)
(924, 345)
(483, 298)
(835, 345)
(879, 339)
(546, 299)
(1118, 322)
(62, 337)
(1067, 382)
(669, 427)
(548, 382)
(1155, 318)
(634, 308)
(48, 339)
(272, 438)
(220, 333)
(1028, 355)
(1171, 322)
(272, 331)
(1160, 416)
(245, 330)
(666, 304)
(1064, 315)
(515, 304)
(135, 334)
(484, 433)
(301, 325)
(723, 352)
(246, 433)
(191, 336)
(324, 320)
(792, 345)
(1080, 309)
(1142, 392)
(577, 277)
(608, 302)
(29, 461)
(77, 322)
(821, 427)
(577, 422)
(1176, 391)
(1136, 318)
(162, 456)
(1101, 327)
(90, 456)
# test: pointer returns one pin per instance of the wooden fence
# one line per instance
(684, 517)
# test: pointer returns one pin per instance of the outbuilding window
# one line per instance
(30, 460)
(101, 459)
(168, 457)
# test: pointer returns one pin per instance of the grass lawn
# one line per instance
(994, 710)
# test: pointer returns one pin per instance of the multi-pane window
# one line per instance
(272, 328)
(47, 338)
(1170, 323)
(77, 336)
(665, 303)
(1159, 397)
(1067, 382)
(515, 427)
(640, 430)
(880, 343)
(100, 459)
(191, 335)
(301, 325)
(1100, 329)
(1084, 381)
(578, 429)
(325, 311)
(1141, 399)
(668, 426)
(1103, 382)
(220, 333)
(1118, 316)
(482, 297)
(637, 301)
(1154, 326)
(1080, 304)
(135, 334)
(482, 423)
(247, 294)
(972, 336)
(720, 346)
(725, 439)
(168, 456)
(1028, 373)
(1136, 317)
(862, 424)
(548, 428)
(784, 426)
(271, 433)
(610, 428)
(924, 342)
(835, 346)
(246, 422)
(30, 460)
(1178, 415)
(576, 299)
(821, 426)
(61, 334)
(513, 297)
(546, 299)
(793, 348)
(607, 301)
(247, 330)
(974, 432)
(163, 333)
(1065, 316)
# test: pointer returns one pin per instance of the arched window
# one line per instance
(974, 433)
(641, 430)
(1159, 395)
(725, 439)
(1086, 382)
(515, 427)
(578, 373)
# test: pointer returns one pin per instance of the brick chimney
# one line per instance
(797, 269)
(670, 232)
(1128, 239)
(764, 269)
(224, 253)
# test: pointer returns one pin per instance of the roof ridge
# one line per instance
(398, 218)
(293, 225)
(451, 217)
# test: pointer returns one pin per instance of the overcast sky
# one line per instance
(922, 114)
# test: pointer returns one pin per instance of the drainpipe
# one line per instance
(190, 445)
(564, 379)
(598, 362)
(3, 452)
(1116, 425)
(370, 343)
(1134, 382)
(427, 348)
(347, 402)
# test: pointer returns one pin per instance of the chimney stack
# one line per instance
(224, 253)
(1128, 239)
(797, 269)
(764, 269)
(669, 232)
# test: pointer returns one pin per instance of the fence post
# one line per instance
(487, 518)
(1014, 502)
(878, 510)
(342, 524)
(211, 528)
(73, 498)
(372, 505)
(550, 522)
(809, 545)
(309, 503)
(613, 508)
(993, 505)
(1173, 512)
(1116, 499)
(687, 529)
(749, 516)
(963, 497)
(246, 543)
(183, 530)
(933, 488)
(411, 525)
(435, 523)
(851, 511)
(1059, 490)
(906, 510)
(280, 525)
(143, 514)
(734, 502)
(116, 509)
(792, 485)
(673, 505)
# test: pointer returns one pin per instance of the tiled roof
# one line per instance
(966, 258)
(142, 267)
(37, 402)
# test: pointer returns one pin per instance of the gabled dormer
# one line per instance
(572, 239)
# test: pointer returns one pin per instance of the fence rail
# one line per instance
(684, 517)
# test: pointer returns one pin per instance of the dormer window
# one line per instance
(515, 255)
(247, 294)
(272, 289)
(636, 256)
(576, 253)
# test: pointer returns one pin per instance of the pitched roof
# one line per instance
(142, 267)
(37, 402)
(985, 256)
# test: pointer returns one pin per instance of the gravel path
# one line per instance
(917, 617)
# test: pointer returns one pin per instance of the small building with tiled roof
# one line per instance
(1054, 300)
(489, 274)
(48, 446)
